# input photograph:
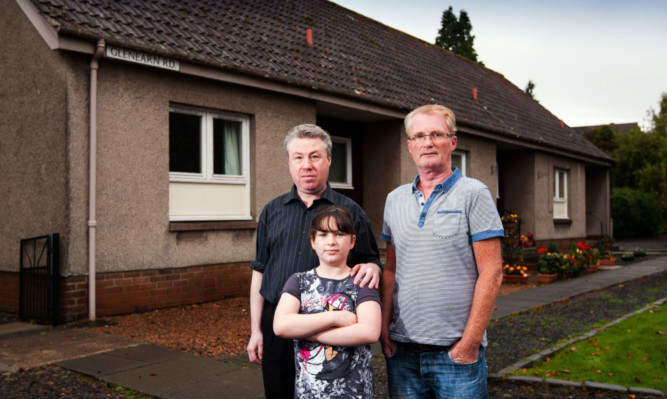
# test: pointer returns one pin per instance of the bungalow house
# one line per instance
(148, 135)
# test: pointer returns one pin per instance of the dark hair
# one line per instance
(340, 215)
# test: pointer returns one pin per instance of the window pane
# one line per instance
(184, 143)
(457, 160)
(561, 184)
(226, 147)
(338, 168)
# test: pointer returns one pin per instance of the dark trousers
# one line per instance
(278, 359)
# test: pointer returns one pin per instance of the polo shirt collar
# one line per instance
(447, 184)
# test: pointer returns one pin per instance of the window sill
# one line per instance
(563, 221)
(210, 226)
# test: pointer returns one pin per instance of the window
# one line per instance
(459, 160)
(560, 194)
(208, 165)
(340, 171)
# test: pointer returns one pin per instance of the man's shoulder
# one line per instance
(470, 184)
(401, 190)
(279, 200)
(274, 206)
(344, 201)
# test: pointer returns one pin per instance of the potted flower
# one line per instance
(606, 257)
(515, 274)
(511, 225)
(549, 265)
(574, 264)
(582, 252)
(594, 256)
(512, 255)
(628, 257)
(527, 240)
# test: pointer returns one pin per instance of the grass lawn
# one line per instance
(632, 353)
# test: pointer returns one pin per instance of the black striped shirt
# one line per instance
(283, 245)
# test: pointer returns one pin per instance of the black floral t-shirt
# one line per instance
(323, 371)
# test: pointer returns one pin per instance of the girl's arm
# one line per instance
(364, 332)
(289, 323)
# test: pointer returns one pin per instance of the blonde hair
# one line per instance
(433, 109)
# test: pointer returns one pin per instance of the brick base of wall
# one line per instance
(9, 293)
(138, 291)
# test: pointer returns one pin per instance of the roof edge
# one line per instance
(45, 30)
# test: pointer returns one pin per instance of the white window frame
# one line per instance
(207, 177)
(463, 155)
(347, 185)
(560, 197)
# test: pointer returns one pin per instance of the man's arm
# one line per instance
(366, 256)
(489, 266)
(387, 295)
(256, 343)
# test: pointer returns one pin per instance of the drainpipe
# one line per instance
(92, 178)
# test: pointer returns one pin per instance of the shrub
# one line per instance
(549, 262)
(573, 265)
(553, 248)
(635, 213)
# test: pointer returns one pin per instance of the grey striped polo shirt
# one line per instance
(436, 270)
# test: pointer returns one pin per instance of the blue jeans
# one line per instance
(434, 375)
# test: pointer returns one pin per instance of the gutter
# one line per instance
(92, 179)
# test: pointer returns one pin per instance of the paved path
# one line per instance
(167, 373)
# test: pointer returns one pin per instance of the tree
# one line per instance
(454, 34)
(641, 161)
(529, 89)
(604, 138)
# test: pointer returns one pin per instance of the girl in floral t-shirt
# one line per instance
(332, 321)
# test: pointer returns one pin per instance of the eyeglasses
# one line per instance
(435, 136)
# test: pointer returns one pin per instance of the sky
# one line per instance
(593, 62)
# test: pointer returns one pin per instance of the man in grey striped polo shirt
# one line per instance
(443, 269)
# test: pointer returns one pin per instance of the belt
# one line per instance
(421, 348)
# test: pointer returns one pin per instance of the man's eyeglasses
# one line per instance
(435, 136)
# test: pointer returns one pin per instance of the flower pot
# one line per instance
(515, 279)
(547, 278)
(607, 262)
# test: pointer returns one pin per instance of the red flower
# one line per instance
(541, 251)
(583, 246)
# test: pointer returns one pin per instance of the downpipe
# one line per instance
(92, 179)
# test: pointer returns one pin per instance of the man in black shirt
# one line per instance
(283, 248)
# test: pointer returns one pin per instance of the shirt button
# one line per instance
(423, 215)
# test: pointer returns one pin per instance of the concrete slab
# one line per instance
(56, 344)
(17, 327)
(243, 383)
(101, 365)
(146, 353)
